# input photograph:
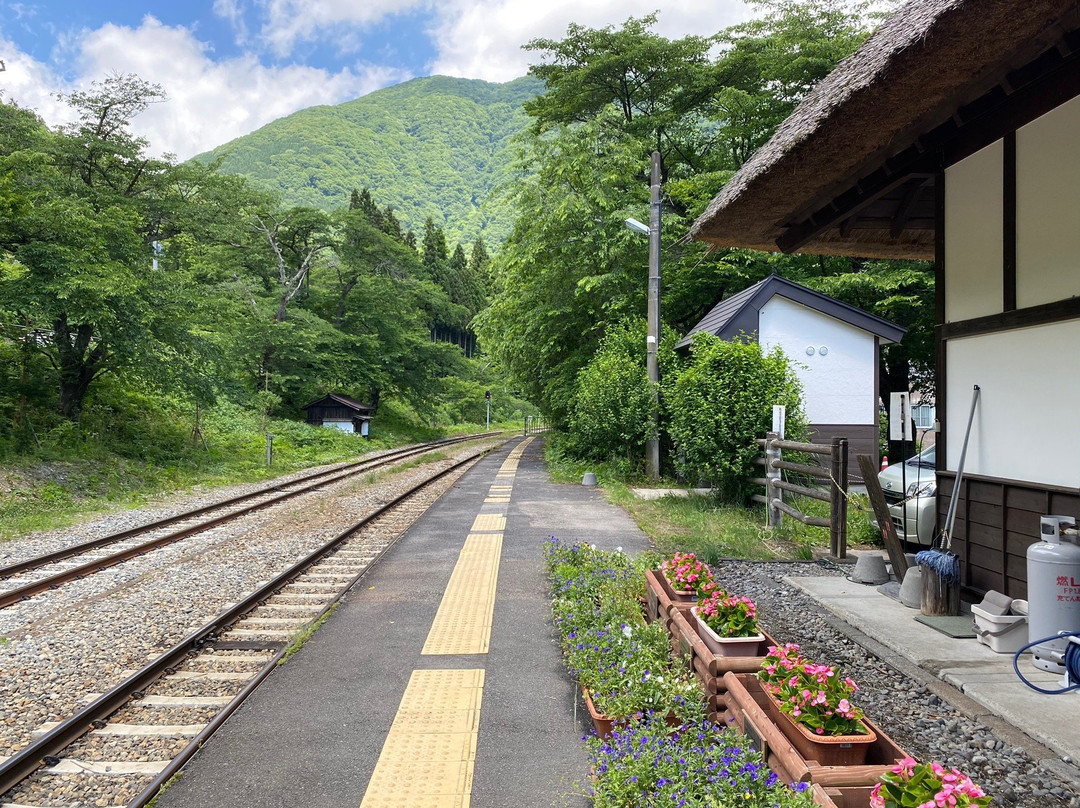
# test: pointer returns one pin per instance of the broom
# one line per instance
(941, 559)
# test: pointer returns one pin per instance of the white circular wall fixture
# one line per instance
(809, 350)
(823, 350)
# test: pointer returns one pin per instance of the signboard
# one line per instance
(900, 423)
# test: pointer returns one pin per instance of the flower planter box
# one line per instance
(753, 710)
(709, 666)
(661, 599)
(845, 797)
(602, 723)
(674, 595)
(827, 750)
(725, 646)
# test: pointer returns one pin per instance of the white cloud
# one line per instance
(31, 84)
(210, 102)
(483, 40)
(287, 22)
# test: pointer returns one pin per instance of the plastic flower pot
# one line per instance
(602, 723)
(727, 646)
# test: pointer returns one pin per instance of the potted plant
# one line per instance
(702, 765)
(727, 624)
(925, 784)
(688, 577)
(814, 708)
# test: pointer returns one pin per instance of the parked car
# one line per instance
(910, 489)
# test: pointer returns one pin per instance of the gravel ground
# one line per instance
(86, 636)
(916, 718)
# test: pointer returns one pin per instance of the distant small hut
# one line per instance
(340, 412)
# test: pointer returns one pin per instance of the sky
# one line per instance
(231, 66)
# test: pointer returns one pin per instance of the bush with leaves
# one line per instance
(609, 414)
(720, 402)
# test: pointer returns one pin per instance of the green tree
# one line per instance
(89, 204)
(720, 402)
(652, 82)
(613, 400)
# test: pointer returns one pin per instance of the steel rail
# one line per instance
(17, 594)
(25, 762)
(112, 538)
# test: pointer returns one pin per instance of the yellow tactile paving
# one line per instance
(463, 623)
(506, 488)
(489, 523)
(428, 756)
(491, 500)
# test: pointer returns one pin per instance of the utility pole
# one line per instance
(652, 443)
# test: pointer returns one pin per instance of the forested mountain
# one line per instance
(431, 147)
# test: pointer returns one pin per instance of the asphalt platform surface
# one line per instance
(312, 733)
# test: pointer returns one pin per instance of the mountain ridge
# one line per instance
(433, 146)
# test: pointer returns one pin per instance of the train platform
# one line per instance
(437, 681)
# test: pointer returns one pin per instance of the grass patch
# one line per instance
(103, 465)
(305, 635)
(711, 529)
(168, 784)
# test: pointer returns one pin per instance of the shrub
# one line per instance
(613, 399)
(720, 402)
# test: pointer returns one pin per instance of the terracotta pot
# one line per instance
(727, 646)
(602, 723)
(827, 750)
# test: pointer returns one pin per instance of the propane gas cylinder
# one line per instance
(1053, 571)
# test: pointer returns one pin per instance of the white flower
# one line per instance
(627, 631)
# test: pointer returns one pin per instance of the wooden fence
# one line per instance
(834, 487)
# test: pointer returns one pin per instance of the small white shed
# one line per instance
(833, 346)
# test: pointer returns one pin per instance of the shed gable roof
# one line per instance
(341, 400)
(739, 313)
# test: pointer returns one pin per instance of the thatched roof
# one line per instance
(927, 60)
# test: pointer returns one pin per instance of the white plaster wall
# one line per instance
(1027, 425)
(1048, 207)
(838, 388)
(973, 235)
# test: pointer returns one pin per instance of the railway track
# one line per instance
(33, 576)
(123, 745)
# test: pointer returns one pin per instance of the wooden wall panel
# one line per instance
(992, 532)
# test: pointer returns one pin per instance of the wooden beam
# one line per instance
(1056, 312)
(843, 207)
(906, 206)
(884, 519)
(1008, 223)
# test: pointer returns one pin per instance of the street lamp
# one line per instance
(652, 443)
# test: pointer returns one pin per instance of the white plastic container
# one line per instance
(1004, 633)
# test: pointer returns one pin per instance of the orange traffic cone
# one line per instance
(884, 462)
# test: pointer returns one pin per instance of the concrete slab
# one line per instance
(966, 664)
(660, 493)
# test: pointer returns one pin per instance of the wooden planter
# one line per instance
(844, 797)
(661, 600)
(747, 705)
